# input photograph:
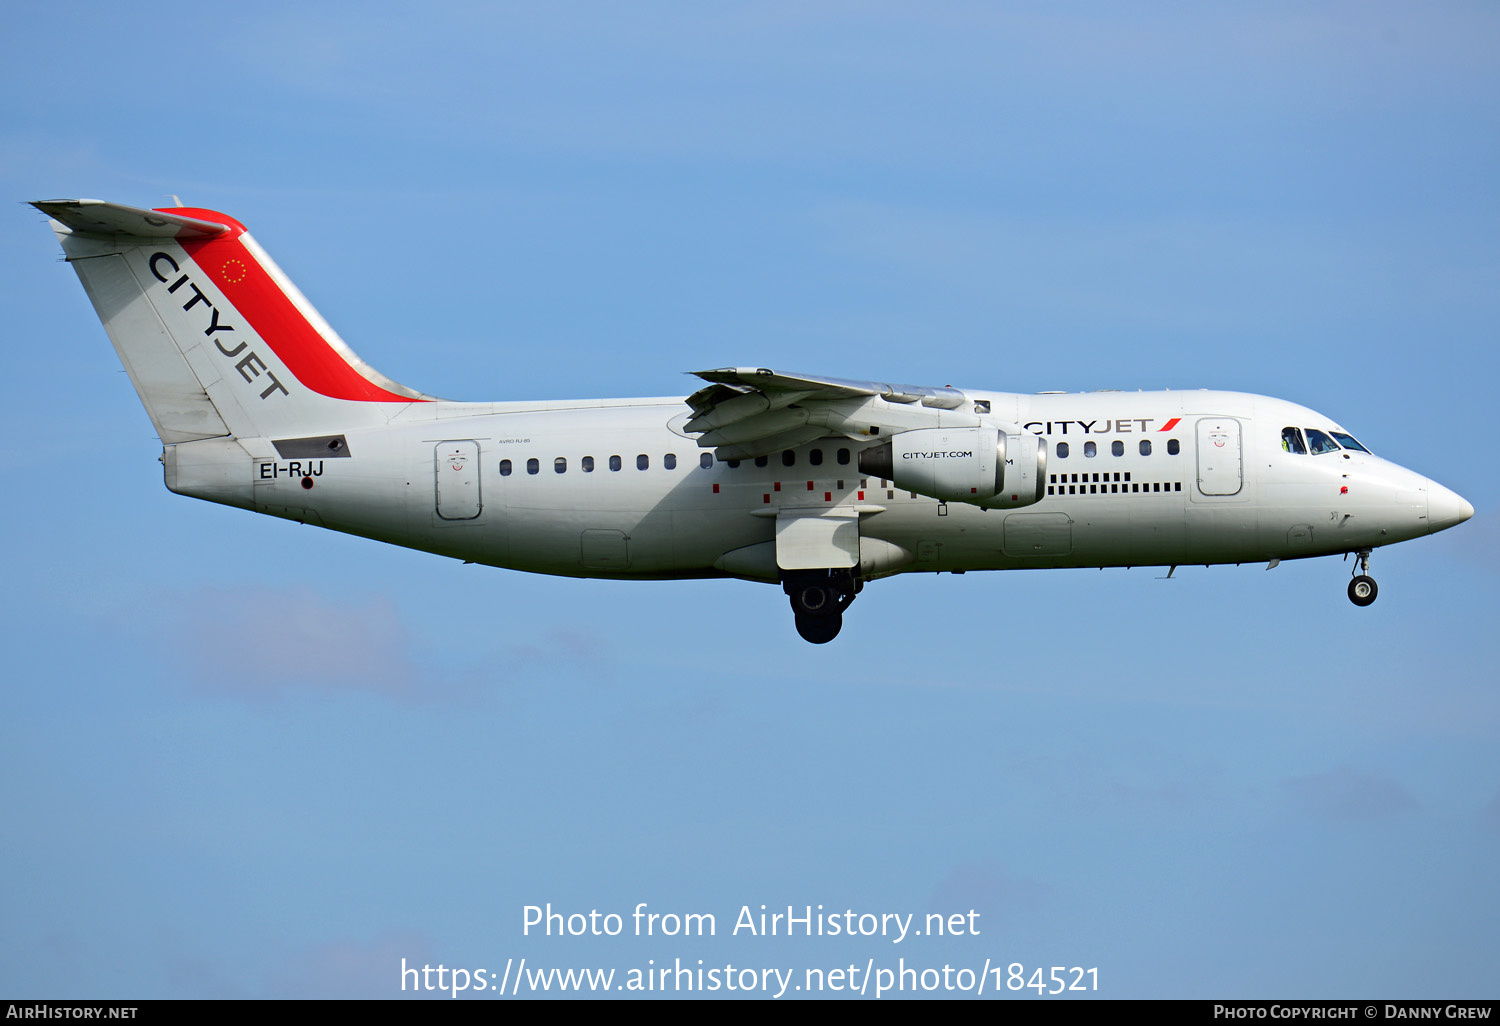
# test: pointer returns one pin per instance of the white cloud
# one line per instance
(252, 640)
(351, 969)
(988, 888)
(1350, 796)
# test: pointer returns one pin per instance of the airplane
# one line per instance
(819, 484)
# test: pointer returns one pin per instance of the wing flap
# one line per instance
(754, 411)
(750, 449)
(763, 379)
(741, 406)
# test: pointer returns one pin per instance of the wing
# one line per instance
(754, 411)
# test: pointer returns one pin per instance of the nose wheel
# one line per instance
(1362, 589)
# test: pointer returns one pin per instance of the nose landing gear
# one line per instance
(819, 598)
(1362, 589)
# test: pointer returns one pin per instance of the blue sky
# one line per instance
(1231, 784)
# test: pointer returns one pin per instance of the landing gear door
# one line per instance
(1219, 463)
(456, 466)
(817, 540)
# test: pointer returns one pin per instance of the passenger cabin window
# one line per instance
(614, 463)
(1319, 443)
(533, 465)
(588, 464)
(788, 458)
(1062, 450)
(669, 461)
(815, 457)
(1090, 449)
(505, 468)
(761, 461)
(843, 457)
(642, 461)
(706, 461)
(1117, 448)
(1173, 447)
(733, 464)
(1145, 447)
(560, 465)
(1348, 442)
(1291, 441)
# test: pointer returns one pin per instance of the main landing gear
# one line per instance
(819, 598)
(1362, 589)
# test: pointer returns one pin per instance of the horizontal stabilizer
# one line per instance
(96, 217)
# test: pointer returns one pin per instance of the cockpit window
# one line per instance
(1291, 441)
(1348, 442)
(1319, 443)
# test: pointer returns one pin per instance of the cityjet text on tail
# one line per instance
(819, 484)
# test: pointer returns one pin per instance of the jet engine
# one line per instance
(982, 466)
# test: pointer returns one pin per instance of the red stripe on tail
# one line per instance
(275, 318)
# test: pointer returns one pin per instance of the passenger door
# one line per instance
(456, 466)
(1219, 464)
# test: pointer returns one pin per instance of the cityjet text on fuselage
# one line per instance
(1121, 426)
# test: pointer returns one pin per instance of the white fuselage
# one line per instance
(1213, 484)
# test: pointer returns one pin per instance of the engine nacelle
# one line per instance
(983, 466)
(1025, 480)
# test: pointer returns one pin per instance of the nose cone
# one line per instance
(1445, 508)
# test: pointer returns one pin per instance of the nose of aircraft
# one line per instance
(1445, 508)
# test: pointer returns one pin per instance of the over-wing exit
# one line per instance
(820, 484)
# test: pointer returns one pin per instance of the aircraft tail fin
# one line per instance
(216, 339)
